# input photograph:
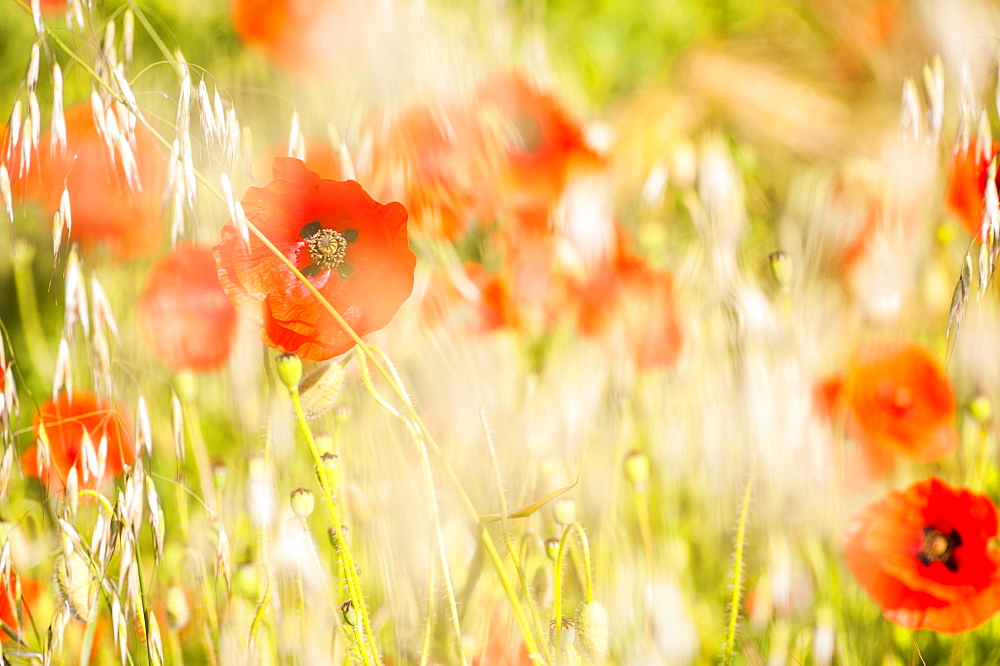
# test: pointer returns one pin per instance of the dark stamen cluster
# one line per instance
(939, 547)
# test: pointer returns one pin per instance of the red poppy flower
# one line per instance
(106, 210)
(30, 591)
(923, 555)
(436, 160)
(321, 157)
(183, 312)
(319, 37)
(967, 174)
(543, 146)
(66, 422)
(897, 400)
(352, 248)
(627, 303)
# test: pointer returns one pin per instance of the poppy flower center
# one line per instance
(327, 248)
(939, 547)
(898, 399)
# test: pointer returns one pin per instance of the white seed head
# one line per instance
(32, 76)
(8, 198)
(128, 34)
(15, 128)
(62, 376)
(177, 420)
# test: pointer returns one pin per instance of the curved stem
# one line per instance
(734, 607)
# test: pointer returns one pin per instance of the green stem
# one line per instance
(588, 588)
(362, 629)
(734, 603)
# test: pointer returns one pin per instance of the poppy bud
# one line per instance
(331, 461)
(567, 635)
(979, 408)
(332, 535)
(178, 610)
(637, 470)
(564, 510)
(781, 268)
(350, 615)
(593, 632)
(220, 474)
(552, 548)
(320, 391)
(185, 385)
(289, 367)
(303, 502)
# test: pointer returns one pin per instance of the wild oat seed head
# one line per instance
(205, 113)
(100, 306)
(72, 495)
(155, 641)
(128, 34)
(8, 198)
(62, 376)
(6, 464)
(35, 117)
(32, 76)
(58, 129)
(76, 585)
(177, 422)
(27, 133)
(143, 430)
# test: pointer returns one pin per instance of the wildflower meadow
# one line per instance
(499, 332)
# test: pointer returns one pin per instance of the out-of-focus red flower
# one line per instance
(183, 312)
(924, 557)
(435, 159)
(542, 145)
(308, 37)
(628, 303)
(31, 589)
(968, 170)
(352, 248)
(66, 422)
(106, 209)
(896, 400)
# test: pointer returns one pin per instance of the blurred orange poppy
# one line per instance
(183, 312)
(435, 159)
(30, 591)
(924, 556)
(542, 146)
(896, 400)
(628, 303)
(353, 249)
(106, 209)
(312, 38)
(967, 174)
(67, 421)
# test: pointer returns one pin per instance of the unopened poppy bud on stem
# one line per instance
(564, 510)
(637, 470)
(350, 615)
(289, 367)
(980, 408)
(781, 268)
(552, 548)
(303, 502)
(334, 472)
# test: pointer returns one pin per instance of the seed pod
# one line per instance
(303, 502)
(637, 470)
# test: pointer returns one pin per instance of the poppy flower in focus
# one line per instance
(923, 556)
(106, 209)
(353, 249)
(968, 170)
(31, 589)
(183, 312)
(628, 303)
(896, 400)
(67, 422)
(543, 146)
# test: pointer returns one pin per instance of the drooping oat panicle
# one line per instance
(296, 142)
(206, 116)
(119, 627)
(35, 118)
(143, 430)
(14, 127)
(128, 35)
(58, 122)
(76, 308)
(8, 198)
(62, 376)
(103, 316)
(31, 78)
